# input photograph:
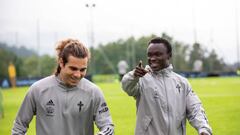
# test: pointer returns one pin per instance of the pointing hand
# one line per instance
(139, 70)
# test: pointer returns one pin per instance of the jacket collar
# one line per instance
(166, 71)
(63, 85)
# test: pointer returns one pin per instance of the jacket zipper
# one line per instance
(66, 101)
(182, 127)
(168, 126)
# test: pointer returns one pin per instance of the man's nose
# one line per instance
(77, 74)
(152, 58)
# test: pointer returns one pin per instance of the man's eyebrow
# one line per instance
(84, 68)
(73, 67)
(76, 68)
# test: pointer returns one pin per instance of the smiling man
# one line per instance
(164, 99)
(65, 103)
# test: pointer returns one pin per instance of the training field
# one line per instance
(220, 97)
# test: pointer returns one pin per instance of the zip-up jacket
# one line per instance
(164, 101)
(61, 110)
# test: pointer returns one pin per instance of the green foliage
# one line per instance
(220, 97)
(47, 65)
(179, 56)
(37, 66)
(213, 63)
(197, 53)
(106, 56)
(28, 65)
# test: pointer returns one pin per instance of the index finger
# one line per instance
(140, 63)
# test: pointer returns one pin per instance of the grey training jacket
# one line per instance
(61, 110)
(164, 100)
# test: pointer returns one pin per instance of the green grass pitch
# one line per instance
(220, 97)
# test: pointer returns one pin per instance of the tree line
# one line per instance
(26, 61)
(106, 56)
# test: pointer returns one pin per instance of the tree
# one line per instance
(213, 63)
(48, 65)
(35, 66)
(14, 55)
(197, 53)
(105, 57)
(179, 57)
(30, 67)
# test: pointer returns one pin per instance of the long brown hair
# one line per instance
(72, 47)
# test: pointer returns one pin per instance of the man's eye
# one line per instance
(159, 54)
(82, 70)
(149, 55)
(74, 69)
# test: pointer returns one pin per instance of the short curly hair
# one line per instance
(158, 40)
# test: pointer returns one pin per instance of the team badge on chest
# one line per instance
(50, 108)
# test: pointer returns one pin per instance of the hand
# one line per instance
(203, 133)
(139, 70)
(107, 132)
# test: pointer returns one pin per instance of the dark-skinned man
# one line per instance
(164, 99)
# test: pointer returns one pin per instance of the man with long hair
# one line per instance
(65, 103)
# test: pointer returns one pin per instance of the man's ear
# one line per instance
(60, 62)
(169, 55)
